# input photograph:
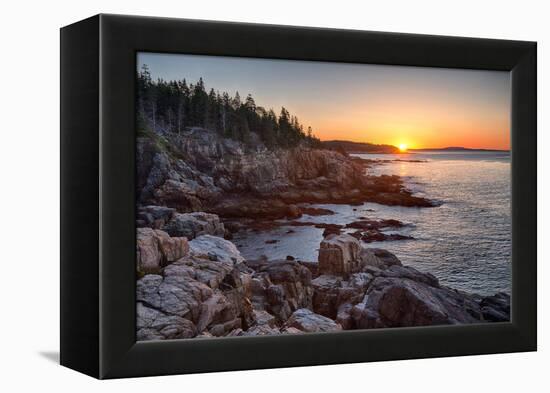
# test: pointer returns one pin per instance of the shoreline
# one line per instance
(194, 282)
(205, 288)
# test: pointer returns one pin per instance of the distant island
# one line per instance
(455, 148)
(364, 147)
(359, 147)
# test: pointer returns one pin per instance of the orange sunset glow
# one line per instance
(419, 124)
(417, 107)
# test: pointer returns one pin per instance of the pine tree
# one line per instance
(236, 102)
(172, 106)
(225, 108)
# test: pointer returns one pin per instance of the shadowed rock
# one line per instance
(398, 302)
(330, 292)
(192, 225)
(496, 308)
(280, 287)
(154, 216)
(316, 211)
(378, 257)
(375, 224)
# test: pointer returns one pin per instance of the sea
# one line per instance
(465, 241)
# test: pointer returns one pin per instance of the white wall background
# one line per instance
(29, 193)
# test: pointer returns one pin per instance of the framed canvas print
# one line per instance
(239, 196)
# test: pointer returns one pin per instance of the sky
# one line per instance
(416, 107)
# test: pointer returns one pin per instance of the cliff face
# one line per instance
(199, 170)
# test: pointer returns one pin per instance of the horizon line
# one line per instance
(418, 148)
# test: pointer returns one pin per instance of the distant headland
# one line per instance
(456, 148)
(365, 147)
(359, 147)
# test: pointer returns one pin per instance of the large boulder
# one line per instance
(215, 248)
(192, 225)
(398, 302)
(306, 320)
(152, 324)
(496, 308)
(174, 294)
(410, 273)
(378, 257)
(155, 249)
(339, 255)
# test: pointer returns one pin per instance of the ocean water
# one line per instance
(465, 242)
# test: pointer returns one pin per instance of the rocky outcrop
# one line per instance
(205, 288)
(155, 249)
(369, 230)
(331, 292)
(154, 325)
(375, 224)
(377, 236)
(208, 288)
(189, 225)
(255, 207)
(198, 170)
(339, 255)
(400, 301)
(280, 287)
(384, 293)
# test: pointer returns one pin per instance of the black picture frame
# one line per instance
(98, 63)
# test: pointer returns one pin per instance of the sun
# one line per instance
(403, 147)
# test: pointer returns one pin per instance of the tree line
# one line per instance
(173, 106)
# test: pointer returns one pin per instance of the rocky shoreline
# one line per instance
(196, 189)
(199, 171)
(203, 287)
